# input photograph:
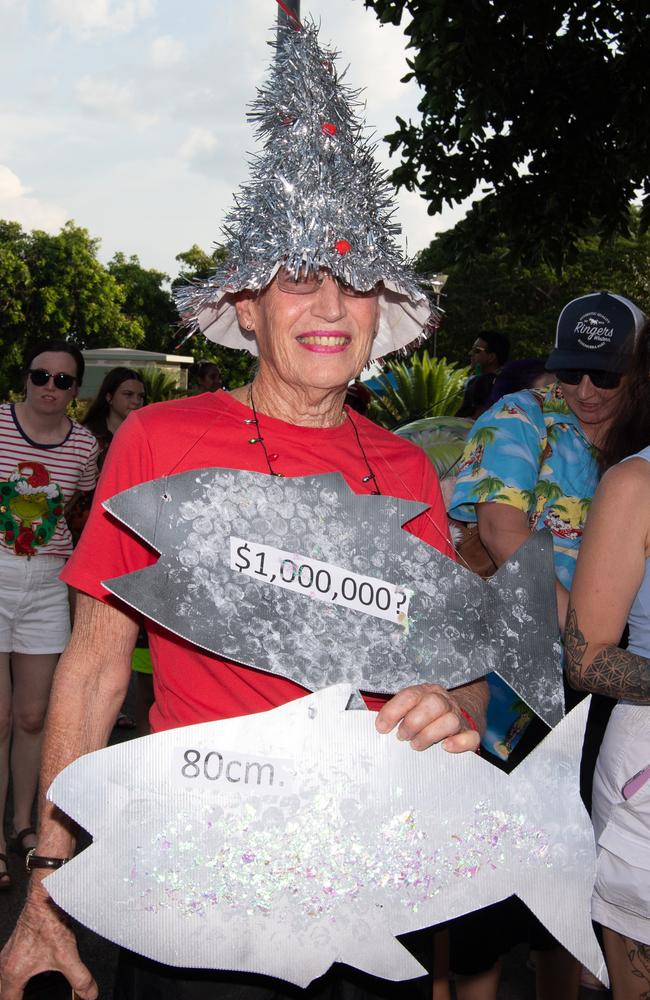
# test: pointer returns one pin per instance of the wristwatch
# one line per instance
(34, 860)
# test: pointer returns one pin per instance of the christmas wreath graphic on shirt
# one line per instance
(30, 508)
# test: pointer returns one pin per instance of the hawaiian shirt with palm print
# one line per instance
(529, 451)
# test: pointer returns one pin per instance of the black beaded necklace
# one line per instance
(259, 439)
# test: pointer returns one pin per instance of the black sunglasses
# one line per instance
(599, 379)
(40, 377)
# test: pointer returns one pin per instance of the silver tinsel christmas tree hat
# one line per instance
(315, 199)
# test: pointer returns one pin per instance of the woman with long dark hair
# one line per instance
(611, 589)
(121, 392)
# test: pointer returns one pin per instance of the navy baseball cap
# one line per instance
(598, 332)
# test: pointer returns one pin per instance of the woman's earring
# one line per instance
(249, 325)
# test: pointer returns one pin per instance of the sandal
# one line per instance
(16, 842)
(6, 880)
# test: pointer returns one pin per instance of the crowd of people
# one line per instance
(316, 289)
(533, 459)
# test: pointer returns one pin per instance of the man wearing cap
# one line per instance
(531, 462)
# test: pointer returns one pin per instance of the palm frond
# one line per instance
(424, 387)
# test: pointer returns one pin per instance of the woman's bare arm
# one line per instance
(502, 530)
(610, 569)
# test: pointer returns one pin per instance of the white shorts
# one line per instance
(34, 606)
(621, 899)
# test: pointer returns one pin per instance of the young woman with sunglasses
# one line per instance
(45, 461)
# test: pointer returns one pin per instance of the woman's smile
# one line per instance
(324, 341)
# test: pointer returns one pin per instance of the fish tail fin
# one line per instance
(559, 888)
(393, 961)
(529, 635)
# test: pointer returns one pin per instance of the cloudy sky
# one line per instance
(128, 116)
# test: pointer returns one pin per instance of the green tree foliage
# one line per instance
(15, 291)
(197, 264)
(424, 387)
(489, 290)
(159, 385)
(72, 293)
(545, 105)
(235, 366)
(54, 286)
(146, 302)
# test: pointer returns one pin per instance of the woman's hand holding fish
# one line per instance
(427, 713)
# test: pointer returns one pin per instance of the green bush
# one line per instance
(426, 387)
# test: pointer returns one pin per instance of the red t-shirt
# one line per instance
(207, 431)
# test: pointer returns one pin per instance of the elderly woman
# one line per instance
(314, 328)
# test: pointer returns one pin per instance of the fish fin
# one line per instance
(380, 954)
(145, 590)
(559, 891)
(138, 507)
(562, 746)
(356, 703)
(89, 802)
(560, 921)
(372, 505)
(524, 605)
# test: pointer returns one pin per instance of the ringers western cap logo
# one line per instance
(594, 330)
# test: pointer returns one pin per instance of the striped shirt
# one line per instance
(37, 481)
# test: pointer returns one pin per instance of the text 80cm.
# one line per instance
(212, 767)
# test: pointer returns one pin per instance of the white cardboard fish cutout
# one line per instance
(285, 841)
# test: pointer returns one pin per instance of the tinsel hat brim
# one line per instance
(402, 321)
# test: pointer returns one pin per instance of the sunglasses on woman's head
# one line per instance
(40, 377)
(599, 379)
(307, 282)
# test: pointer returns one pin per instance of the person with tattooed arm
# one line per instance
(531, 462)
(611, 588)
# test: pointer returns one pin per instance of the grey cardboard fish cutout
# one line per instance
(281, 842)
(305, 579)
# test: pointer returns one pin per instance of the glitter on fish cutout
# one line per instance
(251, 861)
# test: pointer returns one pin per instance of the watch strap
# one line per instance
(34, 860)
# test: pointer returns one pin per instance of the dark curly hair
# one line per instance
(630, 429)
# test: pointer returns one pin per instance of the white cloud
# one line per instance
(142, 135)
(166, 51)
(93, 17)
(199, 142)
(18, 205)
(10, 184)
(111, 100)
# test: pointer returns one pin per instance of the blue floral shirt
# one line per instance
(529, 451)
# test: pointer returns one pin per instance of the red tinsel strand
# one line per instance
(290, 14)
